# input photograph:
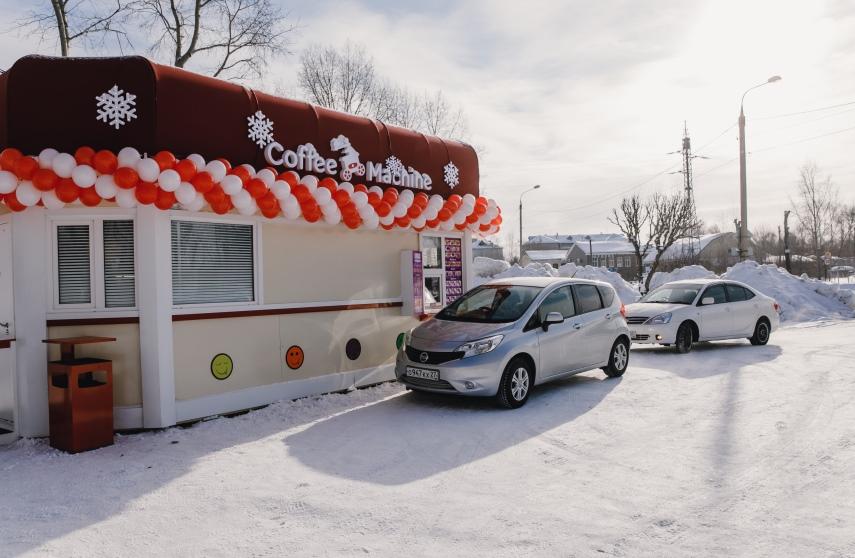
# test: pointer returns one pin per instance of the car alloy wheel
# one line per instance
(620, 356)
(763, 333)
(519, 384)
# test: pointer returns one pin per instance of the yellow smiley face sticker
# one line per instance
(222, 366)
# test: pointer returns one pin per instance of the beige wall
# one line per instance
(313, 264)
(124, 352)
(257, 346)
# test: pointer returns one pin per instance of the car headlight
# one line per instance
(408, 336)
(660, 319)
(480, 346)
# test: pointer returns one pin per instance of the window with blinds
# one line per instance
(212, 263)
(73, 264)
(119, 279)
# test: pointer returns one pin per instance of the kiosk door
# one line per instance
(7, 363)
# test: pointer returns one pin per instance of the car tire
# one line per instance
(685, 339)
(761, 333)
(515, 386)
(618, 359)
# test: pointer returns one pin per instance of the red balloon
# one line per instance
(414, 211)
(84, 155)
(272, 211)
(186, 169)
(164, 200)
(146, 193)
(383, 208)
(472, 218)
(312, 215)
(126, 177)
(257, 188)
(105, 162)
(484, 228)
(289, 178)
(352, 223)
(221, 207)
(421, 200)
(444, 214)
(203, 182)
(215, 195)
(390, 196)
(25, 167)
(480, 209)
(374, 198)
(226, 163)
(341, 197)
(7, 160)
(460, 227)
(349, 211)
(12, 202)
(67, 191)
(165, 160)
(241, 173)
(433, 223)
(89, 197)
(403, 222)
(387, 227)
(45, 179)
(267, 201)
(456, 199)
(360, 188)
(328, 183)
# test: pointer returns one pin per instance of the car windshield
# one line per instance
(684, 294)
(491, 304)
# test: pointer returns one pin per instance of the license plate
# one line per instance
(414, 372)
(633, 334)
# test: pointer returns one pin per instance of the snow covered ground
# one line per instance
(731, 450)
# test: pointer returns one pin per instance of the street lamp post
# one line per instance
(743, 181)
(535, 187)
(590, 249)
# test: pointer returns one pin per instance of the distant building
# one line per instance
(610, 250)
(487, 249)
(555, 258)
(714, 251)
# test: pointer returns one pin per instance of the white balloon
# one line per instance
(63, 165)
(27, 194)
(347, 187)
(492, 212)
(46, 157)
(458, 218)
(371, 221)
(407, 197)
(332, 218)
(359, 199)
(419, 222)
(399, 210)
(431, 213)
(291, 211)
(377, 190)
(330, 208)
(126, 198)
(148, 170)
(249, 168)
(128, 157)
(84, 176)
(322, 196)
(267, 176)
(169, 180)
(446, 225)
(185, 193)
(50, 200)
(8, 182)
(198, 160)
(106, 187)
(242, 199)
(197, 204)
(387, 220)
(248, 209)
(231, 184)
(217, 170)
(436, 201)
(310, 181)
(281, 189)
(491, 203)
(365, 211)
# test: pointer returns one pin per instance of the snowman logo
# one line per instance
(349, 159)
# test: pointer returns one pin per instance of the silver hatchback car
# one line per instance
(506, 336)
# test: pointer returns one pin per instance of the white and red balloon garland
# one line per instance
(53, 179)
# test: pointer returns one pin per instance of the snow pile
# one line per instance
(488, 267)
(533, 269)
(801, 298)
(689, 272)
(625, 291)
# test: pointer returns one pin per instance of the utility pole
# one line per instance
(787, 261)
(688, 186)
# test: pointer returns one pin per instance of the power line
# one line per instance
(715, 139)
(801, 140)
(802, 112)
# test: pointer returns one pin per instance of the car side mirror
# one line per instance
(707, 300)
(552, 318)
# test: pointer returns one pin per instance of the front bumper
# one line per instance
(643, 334)
(477, 375)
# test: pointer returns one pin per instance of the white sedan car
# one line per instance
(684, 312)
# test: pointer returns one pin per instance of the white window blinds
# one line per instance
(119, 282)
(212, 263)
(73, 271)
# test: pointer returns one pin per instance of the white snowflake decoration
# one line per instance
(395, 166)
(115, 107)
(260, 129)
(451, 175)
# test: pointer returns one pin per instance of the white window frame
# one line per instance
(96, 263)
(440, 272)
(257, 284)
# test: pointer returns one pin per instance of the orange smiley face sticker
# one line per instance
(294, 357)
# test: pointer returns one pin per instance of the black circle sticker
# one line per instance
(353, 349)
(222, 366)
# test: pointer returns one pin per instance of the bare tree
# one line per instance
(815, 209)
(234, 39)
(88, 21)
(633, 220)
(345, 79)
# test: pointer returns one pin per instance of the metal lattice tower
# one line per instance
(688, 187)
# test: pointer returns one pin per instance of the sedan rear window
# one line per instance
(491, 304)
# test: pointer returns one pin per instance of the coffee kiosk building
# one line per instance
(242, 248)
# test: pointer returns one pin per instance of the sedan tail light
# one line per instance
(777, 307)
(622, 310)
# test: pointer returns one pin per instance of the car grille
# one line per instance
(433, 357)
(641, 337)
(432, 384)
(635, 320)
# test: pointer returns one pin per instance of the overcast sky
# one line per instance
(587, 98)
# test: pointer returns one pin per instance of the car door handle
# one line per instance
(577, 326)
(608, 316)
